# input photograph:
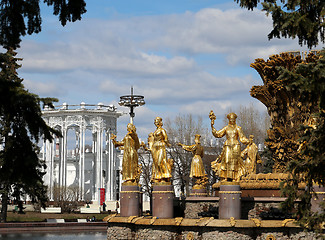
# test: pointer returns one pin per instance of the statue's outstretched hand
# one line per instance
(212, 117)
(113, 137)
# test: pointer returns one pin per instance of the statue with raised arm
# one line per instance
(229, 165)
(197, 168)
(158, 141)
(130, 167)
(252, 156)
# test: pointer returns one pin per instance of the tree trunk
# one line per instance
(4, 208)
(182, 188)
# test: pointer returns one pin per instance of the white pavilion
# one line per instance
(84, 157)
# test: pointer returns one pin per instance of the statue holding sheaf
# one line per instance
(229, 165)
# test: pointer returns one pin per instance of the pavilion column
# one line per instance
(99, 166)
(49, 157)
(63, 167)
(52, 171)
(116, 180)
(78, 155)
(105, 166)
(61, 162)
(110, 175)
(94, 168)
(114, 173)
(82, 162)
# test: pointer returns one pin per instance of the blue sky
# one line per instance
(183, 56)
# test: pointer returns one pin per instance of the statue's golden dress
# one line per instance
(161, 170)
(231, 163)
(252, 157)
(130, 145)
(197, 168)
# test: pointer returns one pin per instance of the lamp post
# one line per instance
(131, 101)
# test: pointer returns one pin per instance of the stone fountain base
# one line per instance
(204, 228)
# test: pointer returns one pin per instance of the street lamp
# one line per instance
(131, 101)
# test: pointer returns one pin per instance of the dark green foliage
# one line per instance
(18, 17)
(70, 10)
(294, 18)
(309, 164)
(268, 162)
(21, 126)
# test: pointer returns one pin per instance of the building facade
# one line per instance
(84, 158)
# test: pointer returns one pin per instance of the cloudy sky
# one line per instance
(184, 56)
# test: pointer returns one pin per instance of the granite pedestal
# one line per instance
(130, 201)
(202, 192)
(230, 202)
(162, 201)
(317, 198)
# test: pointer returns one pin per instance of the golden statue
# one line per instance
(197, 168)
(229, 165)
(161, 166)
(130, 168)
(252, 156)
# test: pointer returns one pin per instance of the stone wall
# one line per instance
(255, 208)
(204, 229)
(193, 208)
(120, 231)
(250, 207)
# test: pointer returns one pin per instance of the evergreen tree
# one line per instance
(18, 17)
(294, 94)
(309, 163)
(294, 18)
(21, 127)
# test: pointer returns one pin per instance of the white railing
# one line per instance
(82, 106)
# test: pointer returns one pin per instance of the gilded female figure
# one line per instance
(229, 164)
(131, 144)
(252, 156)
(161, 167)
(197, 168)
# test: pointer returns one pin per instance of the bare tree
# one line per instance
(66, 197)
(211, 152)
(183, 129)
(145, 160)
(252, 121)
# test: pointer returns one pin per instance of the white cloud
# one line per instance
(182, 63)
(184, 89)
(204, 107)
(43, 89)
(127, 45)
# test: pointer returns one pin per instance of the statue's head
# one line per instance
(197, 138)
(251, 138)
(158, 122)
(232, 118)
(131, 128)
(150, 136)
